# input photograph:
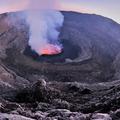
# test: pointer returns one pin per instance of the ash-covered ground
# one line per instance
(81, 83)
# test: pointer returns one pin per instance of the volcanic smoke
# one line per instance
(44, 23)
(44, 31)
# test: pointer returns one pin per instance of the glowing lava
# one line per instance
(51, 49)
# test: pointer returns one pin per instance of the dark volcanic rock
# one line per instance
(4, 116)
(99, 116)
(38, 92)
(97, 36)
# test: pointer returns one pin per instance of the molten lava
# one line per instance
(51, 49)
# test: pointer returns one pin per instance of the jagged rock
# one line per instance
(10, 82)
(43, 106)
(38, 91)
(115, 114)
(40, 115)
(4, 116)
(58, 112)
(74, 86)
(100, 116)
(78, 116)
(8, 106)
(14, 112)
(1, 107)
(26, 113)
(61, 104)
(66, 114)
(41, 92)
(40, 84)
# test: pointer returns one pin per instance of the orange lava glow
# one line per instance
(51, 50)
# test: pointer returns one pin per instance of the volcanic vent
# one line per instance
(44, 29)
(44, 42)
(68, 51)
(51, 49)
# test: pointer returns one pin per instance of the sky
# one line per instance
(107, 8)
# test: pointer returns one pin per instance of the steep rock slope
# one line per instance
(96, 35)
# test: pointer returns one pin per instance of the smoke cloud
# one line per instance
(44, 26)
(44, 22)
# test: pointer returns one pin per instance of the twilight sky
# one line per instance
(108, 8)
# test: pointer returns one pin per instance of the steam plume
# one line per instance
(44, 26)
(44, 22)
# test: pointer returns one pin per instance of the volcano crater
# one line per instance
(69, 51)
(89, 50)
